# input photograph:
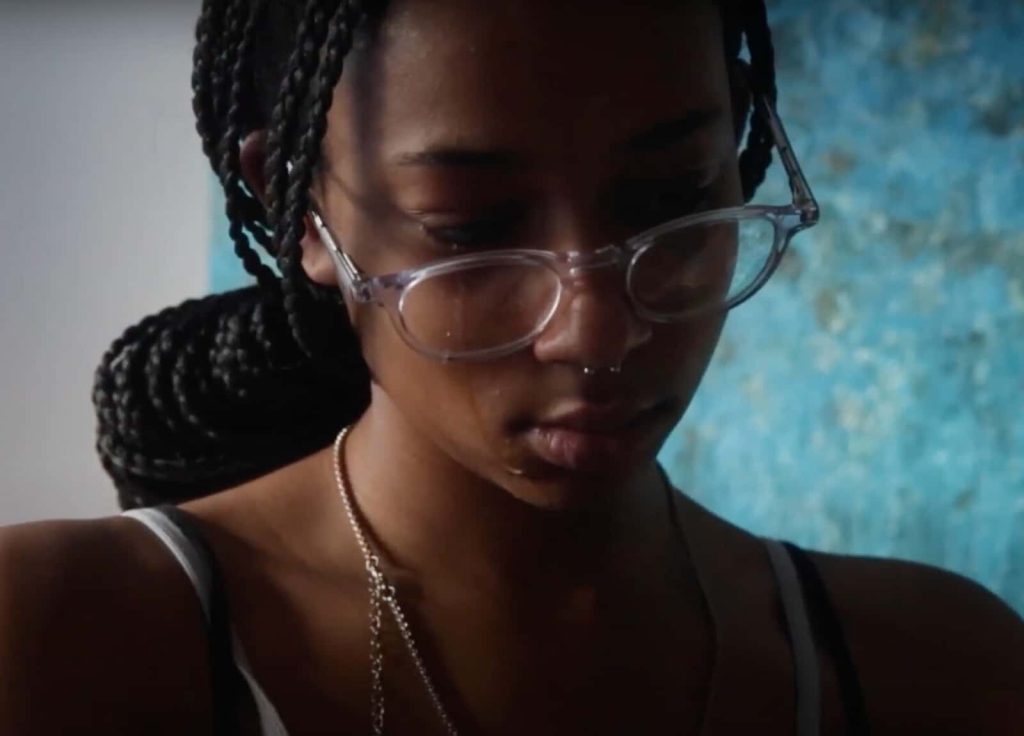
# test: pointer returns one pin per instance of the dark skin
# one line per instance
(546, 600)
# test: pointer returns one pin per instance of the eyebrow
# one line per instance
(670, 132)
(656, 138)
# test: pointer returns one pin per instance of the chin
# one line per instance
(567, 495)
(568, 492)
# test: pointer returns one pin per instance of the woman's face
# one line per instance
(551, 125)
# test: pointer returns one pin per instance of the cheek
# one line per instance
(462, 405)
(680, 353)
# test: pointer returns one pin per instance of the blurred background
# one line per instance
(869, 400)
(105, 213)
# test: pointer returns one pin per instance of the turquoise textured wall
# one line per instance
(869, 400)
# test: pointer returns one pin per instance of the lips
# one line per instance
(594, 438)
(595, 418)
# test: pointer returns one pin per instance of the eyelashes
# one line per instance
(497, 228)
(635, 206)
(642, 210)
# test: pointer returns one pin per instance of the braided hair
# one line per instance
(219, 390)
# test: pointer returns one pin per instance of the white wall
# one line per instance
(104, 217)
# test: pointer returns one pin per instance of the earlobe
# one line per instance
(316, 260)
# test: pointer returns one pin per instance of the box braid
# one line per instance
(218, 390)
(750, 19)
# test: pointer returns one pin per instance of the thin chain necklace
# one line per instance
(382, 593)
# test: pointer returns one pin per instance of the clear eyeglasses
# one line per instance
(486, 305)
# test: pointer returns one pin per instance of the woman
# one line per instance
(532, 211)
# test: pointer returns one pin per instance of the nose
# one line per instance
(595, 324)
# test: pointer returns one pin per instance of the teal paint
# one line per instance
(225, 270)
(869, 400)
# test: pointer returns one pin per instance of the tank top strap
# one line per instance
(828, 631)
(183, 537)
(186, 545)
(801, 639)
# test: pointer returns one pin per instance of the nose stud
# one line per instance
(590, 370)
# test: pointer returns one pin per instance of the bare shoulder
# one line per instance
(929, 644)
(99, 630)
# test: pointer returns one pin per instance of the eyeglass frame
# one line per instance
(388, 290)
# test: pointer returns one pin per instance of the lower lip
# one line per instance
(586, 451)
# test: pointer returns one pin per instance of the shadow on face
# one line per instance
(464, 127)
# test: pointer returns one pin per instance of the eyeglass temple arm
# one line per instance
(347, 269)
(803, 197)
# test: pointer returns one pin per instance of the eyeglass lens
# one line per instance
(677, 274)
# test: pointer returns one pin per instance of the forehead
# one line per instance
(529, 75)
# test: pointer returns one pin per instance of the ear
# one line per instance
(316, 261)
(252, 157)
(739, 90)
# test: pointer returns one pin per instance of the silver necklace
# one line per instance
(382, 593)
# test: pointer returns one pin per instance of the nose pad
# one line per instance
(607, 257)
(595, 324)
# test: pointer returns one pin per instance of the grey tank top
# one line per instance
(791, 582)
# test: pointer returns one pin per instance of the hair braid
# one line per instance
(217, 84)
(207, 30)
(757, 157)
(301, 66)
(215, 391)
(111, 382)
(129, 415)
(229, 403)
(240, 206)
(314, 335)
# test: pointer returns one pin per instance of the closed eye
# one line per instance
(642, 202)
(640, 208)
(496, 229)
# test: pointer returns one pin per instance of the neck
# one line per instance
(434, 519)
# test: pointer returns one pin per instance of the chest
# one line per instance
(650, 667)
